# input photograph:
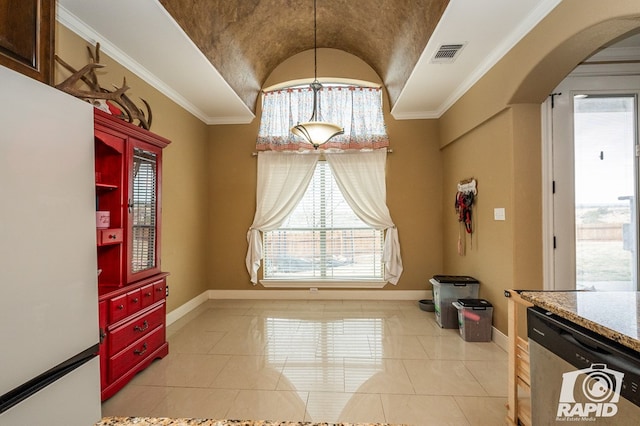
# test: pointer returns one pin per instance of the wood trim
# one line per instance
(518, 409)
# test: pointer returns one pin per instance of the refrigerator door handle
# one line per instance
(38, 383)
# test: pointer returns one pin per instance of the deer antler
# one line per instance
(68, 85)
(134, 112)
(92, 77)
(88, 76)
(79, 75)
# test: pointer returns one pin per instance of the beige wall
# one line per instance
(503, 155)
(486, 156)
(232, 201)
(184, 192)
(414, 182)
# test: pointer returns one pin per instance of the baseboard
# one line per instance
(321, 294)
(500, 339)
(184, 309)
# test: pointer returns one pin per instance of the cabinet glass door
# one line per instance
(143, 211)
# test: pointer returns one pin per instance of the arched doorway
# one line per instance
(590, 204)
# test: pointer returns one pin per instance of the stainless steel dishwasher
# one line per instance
(578, 376)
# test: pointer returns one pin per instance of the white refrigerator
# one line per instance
(49, 369)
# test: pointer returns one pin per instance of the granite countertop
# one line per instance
(613, 314)
(161, 421)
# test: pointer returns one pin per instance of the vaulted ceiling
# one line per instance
(213, 56)
(246, 39)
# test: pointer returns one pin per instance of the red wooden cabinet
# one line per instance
(132, 286)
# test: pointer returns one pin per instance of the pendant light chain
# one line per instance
(315, 41)
(316, 132)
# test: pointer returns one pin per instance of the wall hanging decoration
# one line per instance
(465, 197)
(114, 102)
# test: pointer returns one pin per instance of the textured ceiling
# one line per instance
(246, 39)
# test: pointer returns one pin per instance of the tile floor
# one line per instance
(331, 361)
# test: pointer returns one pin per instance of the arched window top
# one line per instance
(357, 108)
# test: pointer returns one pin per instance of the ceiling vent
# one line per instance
(447, 53)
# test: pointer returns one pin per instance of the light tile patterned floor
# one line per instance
(331, 361)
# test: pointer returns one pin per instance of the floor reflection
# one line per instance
(312, 354)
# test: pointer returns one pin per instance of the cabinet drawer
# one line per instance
(109, 236)
(133, 330)
(134, 302)
(146, 293)
(136, 352)
(159, 290)
(118, 308)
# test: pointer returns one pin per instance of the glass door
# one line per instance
(595, 179)
(143, 212)
(605, 191)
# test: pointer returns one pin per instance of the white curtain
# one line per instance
(360, 175)
(357, 109)
(282, 181)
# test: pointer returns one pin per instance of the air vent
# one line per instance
(447, 53)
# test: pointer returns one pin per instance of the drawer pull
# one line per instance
(158, 289)
(145, 325)
(141, 351)
(120, 307)
(148, 294)
(135, 300)
(113, 236)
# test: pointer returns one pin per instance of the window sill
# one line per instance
(275, 283)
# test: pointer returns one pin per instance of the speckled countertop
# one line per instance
(613, 314)
(161, 421)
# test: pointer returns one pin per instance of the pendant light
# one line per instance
(313, 131)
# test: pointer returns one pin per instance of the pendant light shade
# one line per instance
(313, 131)
(317, 132)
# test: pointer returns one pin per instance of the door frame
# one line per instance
(604, 71)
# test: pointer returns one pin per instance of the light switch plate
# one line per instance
(499, 214)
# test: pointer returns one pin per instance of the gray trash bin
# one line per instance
(448, 289)
(474, 319)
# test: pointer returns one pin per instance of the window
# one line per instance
(323, 239)
(323, 221)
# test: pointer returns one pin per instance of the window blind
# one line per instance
(323, 238)
(143, 250)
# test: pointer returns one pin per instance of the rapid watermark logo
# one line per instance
(597, 389)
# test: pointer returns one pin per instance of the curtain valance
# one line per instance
(357, 109)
